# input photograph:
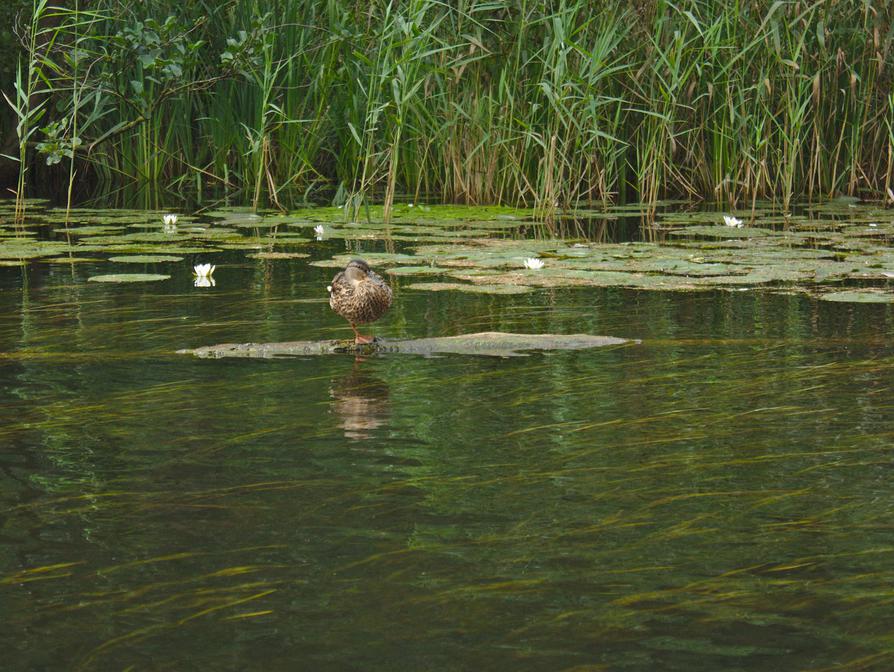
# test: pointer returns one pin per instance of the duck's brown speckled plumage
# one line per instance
(359, 294)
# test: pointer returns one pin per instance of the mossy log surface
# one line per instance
(490, 343)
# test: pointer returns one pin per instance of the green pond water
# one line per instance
(717, 496)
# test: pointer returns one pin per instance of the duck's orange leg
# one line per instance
(361, 340)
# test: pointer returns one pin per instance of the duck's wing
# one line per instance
(381, 288)
(338, 292)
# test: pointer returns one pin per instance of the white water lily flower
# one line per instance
(319, 231)
(410, 205)
(203, 270)
(732, 221)
(204, 281)
(533, 263)
(873, 225)
(170, 220)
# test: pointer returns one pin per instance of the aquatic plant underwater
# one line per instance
(521, 102)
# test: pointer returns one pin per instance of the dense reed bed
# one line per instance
(532, 102)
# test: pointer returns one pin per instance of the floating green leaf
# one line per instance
(129, 277)
(416, 270)
(470, 288)
(26, 248)
(277, 255)
(721, 231)
(145, 259)
(860, 296)
(91, 230)
(69, 260)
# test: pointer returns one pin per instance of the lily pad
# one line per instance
(277, 255)
(145, 259)
(129, 277)
(375, 259)
(860, 296)
(248, 245)
(100, 230)
(721, 232)
(145, 249)
(69, 260)
(133, 238)
(466, 287)
(416, 270)
(25, 248)
(259, 224)
(490, 343)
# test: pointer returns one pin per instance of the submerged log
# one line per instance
(492, 343)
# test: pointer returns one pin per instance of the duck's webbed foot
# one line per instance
(359, 339)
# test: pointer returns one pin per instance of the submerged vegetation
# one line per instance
(485, 344)
(537, 103)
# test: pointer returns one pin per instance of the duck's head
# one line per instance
(356, 270)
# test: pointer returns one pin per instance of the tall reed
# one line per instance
(29, 101)
(547, 103)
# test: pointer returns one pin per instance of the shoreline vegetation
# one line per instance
(538, 104)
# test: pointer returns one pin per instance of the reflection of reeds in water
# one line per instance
(361, 403)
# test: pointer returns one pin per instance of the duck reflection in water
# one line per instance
(361, 403)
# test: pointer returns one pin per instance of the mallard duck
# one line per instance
(359, 295)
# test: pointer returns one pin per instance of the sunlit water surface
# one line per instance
(717, 497)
